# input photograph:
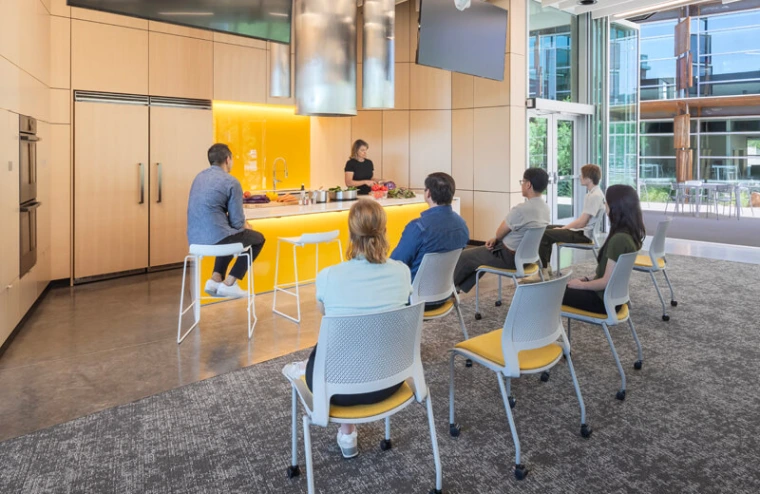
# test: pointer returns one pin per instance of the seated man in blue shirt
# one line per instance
(438, 229)
(215, 216)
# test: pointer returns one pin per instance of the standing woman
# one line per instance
(359, 170)
(626, 235)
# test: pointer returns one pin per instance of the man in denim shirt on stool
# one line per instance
(215, 216)
(438, 229)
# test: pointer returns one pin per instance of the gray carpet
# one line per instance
(689, 423)
(723, 231)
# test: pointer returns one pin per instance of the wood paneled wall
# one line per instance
(25, 78)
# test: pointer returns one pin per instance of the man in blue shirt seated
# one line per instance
(438, 229)
(215, 216)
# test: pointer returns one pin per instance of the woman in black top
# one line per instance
(359, 170)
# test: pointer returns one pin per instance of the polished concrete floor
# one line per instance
(91, 347)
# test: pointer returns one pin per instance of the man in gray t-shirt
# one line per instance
(215, 216)
(499, 252)
(580, 230)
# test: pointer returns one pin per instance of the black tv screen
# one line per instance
(262, 19)
(472, 41)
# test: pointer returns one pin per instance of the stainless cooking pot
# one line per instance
(343, 195)
(318, 196)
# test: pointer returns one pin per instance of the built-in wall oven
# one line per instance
(28, 193)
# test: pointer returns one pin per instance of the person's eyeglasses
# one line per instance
(522, 181)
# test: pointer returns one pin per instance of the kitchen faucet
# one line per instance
(274, 171)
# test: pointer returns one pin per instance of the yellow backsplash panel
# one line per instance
(259, 134)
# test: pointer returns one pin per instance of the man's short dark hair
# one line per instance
(442, 187)
(538, 179)
(218, 154)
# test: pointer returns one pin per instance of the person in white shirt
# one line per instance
(499, 251)
(578, 231)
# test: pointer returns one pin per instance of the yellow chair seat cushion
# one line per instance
(488, 346)
(646, 262)
(440, 311)
(529, 269)
(621, 315)
(398, 398)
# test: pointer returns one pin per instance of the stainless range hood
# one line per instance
(325, 37)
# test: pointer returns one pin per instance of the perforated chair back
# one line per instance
(365, 353)
(434, 280)
(657, 247)
(316, 238)
(527, 251)
(533, 321)
(596, 232)
(616, 292)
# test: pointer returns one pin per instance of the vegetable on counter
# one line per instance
(401, 193)
(249, 198)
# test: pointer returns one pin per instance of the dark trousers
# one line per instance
(349, 400)
(471, 259)
(554, 234)
(248, 238)
(585, 300)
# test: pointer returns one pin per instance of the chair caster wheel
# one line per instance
(498, 303)
(293, 471)
(455, 429)
(512, 401)
(586, 431)
(478, 317)
(637, 365)
(666, 318)
(544, 376)
(468, 363)
(520, 472)
(435, 491)
(620, 395)
(674, 303)
(386, 444)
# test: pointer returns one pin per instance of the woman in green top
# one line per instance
(626, 235)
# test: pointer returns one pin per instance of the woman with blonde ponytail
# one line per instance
(367, 282)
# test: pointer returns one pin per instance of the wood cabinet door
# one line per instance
(9, 198)
(181, 67)
(111, 188)
(179, 142)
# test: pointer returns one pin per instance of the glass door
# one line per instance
(553, 146)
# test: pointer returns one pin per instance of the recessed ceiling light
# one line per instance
(586, 2)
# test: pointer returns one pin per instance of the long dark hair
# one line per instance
(625, 215)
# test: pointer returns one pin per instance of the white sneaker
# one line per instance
(211, 288)
(347, 443)
(233, 291)
(548, 272)
(294, 370)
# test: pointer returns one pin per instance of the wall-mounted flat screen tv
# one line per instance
(262, 19)
(472, 41)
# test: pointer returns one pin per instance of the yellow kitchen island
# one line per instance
(293, 221)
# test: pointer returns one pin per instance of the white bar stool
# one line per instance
(305, 239)
(197, 253)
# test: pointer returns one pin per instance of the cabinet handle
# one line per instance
(160, 181)
(142, 184)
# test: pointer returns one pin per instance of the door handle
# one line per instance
(160, 181)
(31, 207)
(142, 183)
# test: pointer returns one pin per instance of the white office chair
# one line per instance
(361, 354)
(305, 239)
(594, 245)
(531, 341)
(655, 262)
(527, 263)
(434, 282)
(197, 253)
(615, 294)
